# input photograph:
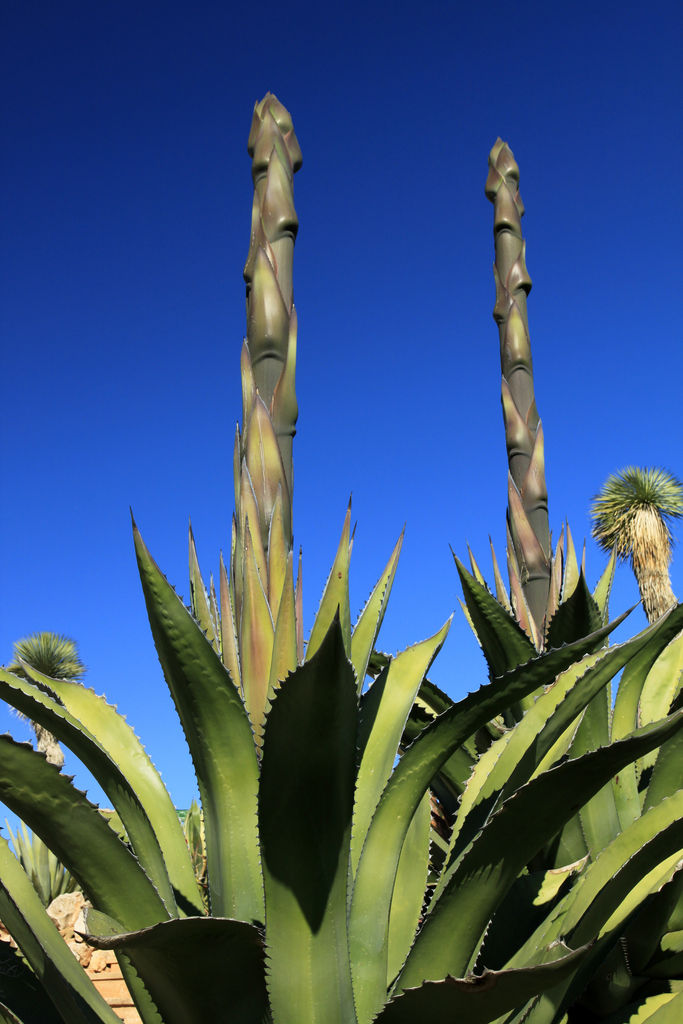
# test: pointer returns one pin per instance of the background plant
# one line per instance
(56, 656)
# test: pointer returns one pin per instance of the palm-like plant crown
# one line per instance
(632, 514)
(53, 655)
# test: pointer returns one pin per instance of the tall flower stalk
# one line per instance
(259, 630)
(529, 555)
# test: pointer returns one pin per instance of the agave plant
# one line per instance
(48, 877)
(321, 902)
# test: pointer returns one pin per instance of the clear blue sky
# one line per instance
(126, 202)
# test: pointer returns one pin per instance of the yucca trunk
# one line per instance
(650, 558)
(527, 515)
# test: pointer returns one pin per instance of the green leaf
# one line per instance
(406, 672)
(199, 599)
(370, 619)
(409, 891)
(256, 635)
(504, 644)
(221, 743)
(456, 923)
(376, 874)
(78, 834)
(578, 616)
(305, 811)
(477, 999)
(111, 751)
(512, 761)
(335, 596)
(603, 589)
(196, 969)
(52, 961)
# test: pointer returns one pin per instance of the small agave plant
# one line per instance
(325, 901)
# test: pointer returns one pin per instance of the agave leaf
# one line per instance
(518, 600)
(476, 571)
(78, 834)
(406, 672)
(661, 686)
(409, 891)
(249, 513)
(578, 616)
(410, 780)
(20, 991)
(666, 774)
(305, 809)
(200, 968)
(370, 619)
(501, 593)
(504, 643)
(111, 751)
(229, 648)
(284, 658)
(335, 596)
(626, 713)
(278, 553)
(571, 568)
(483, 876)
(220, 740)
(604, 586)
(632, 867)
(481, 998)
(555, 710)
(299, 612)
(54, 964)
(598, 816)
(199, 600)
(248, 397)
(266, 471)
(617, 882)
(256, 635)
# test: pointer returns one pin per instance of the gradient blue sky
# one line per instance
(126, 204)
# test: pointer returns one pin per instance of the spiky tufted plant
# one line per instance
(323, 904)
(631, 515)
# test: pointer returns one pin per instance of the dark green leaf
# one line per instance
(196, 969)
(221, 743)
(504, 643)
(578, 616)
(305, 811)
(477, 999)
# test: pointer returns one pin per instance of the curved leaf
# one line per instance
(54, 964)
(409, 891)
(406, 672)
(221, 743)
(477, 999)
(504, 644)
(82, 721)
(78, 834)
(305, 810)
(370, 619)
(196, 969)
(368, 922)
(335, 595)
(454, 928)
(578, 616)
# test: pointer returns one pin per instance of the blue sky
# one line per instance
(126, 205)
